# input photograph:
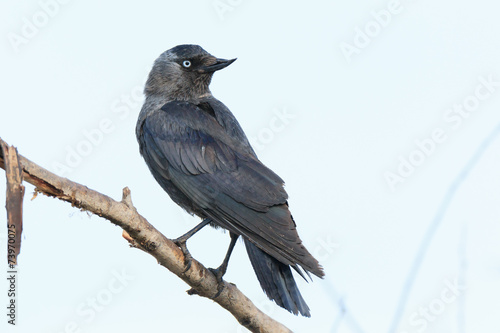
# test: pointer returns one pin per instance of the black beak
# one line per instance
(219, 64)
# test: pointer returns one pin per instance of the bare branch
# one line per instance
(14, 202)
(147, 238)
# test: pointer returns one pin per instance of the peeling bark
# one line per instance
(14, 202)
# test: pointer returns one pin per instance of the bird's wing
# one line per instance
(223, 177)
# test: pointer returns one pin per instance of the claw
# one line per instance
(181, 243)
(219, 273)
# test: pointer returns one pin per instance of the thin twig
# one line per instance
(347, 316)
(462, 274)
(436, 222)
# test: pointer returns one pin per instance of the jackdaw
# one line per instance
(199, 154)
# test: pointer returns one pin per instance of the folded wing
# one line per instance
(225, 180)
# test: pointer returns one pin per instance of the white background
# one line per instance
(360, 83)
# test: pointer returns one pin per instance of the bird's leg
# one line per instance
(221, 270)
(181, 242)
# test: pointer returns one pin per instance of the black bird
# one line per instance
(198, 153)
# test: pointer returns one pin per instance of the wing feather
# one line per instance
(224, 178)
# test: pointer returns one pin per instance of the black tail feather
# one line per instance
(277, 281)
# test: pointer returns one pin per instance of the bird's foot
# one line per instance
(181, 243)
(219, 273)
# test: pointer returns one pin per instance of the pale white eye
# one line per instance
(186, 63)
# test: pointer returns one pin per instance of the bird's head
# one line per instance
(183, 72)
